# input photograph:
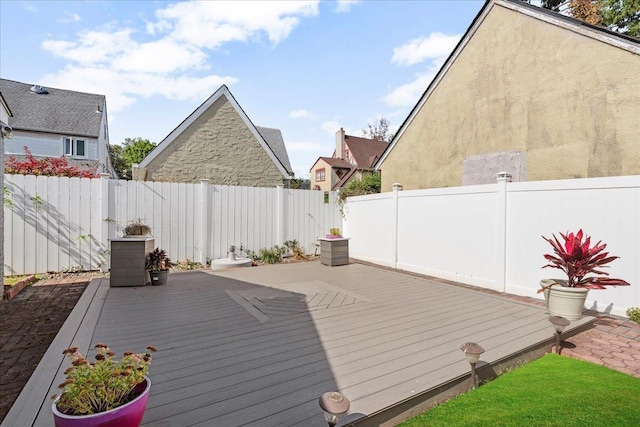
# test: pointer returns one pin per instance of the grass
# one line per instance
(12, 280)
(551, 391)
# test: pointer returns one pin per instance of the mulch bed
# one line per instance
(28, 324)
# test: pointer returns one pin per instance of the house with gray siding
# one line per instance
(57, 122)
(218, 142)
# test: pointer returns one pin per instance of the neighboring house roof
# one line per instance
(5, 105)
(58, 111)
(365, 151)
(274, 140)
(271, 141)
(601, 34)
(334, 162)
(345, 179)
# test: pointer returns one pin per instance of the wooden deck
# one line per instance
(258, 346)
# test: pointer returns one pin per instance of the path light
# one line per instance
(334, 405)
(473, 352)
(558, 323)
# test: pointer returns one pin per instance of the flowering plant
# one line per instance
(577, 257)
(48, 166)
(103, 385)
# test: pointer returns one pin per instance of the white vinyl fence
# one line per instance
(58, 224)
(490, 235)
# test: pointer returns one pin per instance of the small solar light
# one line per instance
(473, 352)
(334, 405)
(559, 323)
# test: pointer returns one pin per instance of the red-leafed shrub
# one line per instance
(47, 166)
(579, 259)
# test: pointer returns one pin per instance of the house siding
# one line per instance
(46, 145)
(546, 102)
(217, 146)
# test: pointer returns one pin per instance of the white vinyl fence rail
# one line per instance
(59, 224)
(490, 235)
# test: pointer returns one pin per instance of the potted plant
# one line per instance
(334, 233)
(105, 392)
(137, 228)
(158, 265)
(581, 261)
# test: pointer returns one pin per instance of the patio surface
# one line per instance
(258, 346)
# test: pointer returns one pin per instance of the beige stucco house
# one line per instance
(353, 157)
(527, 91)
(219, 143)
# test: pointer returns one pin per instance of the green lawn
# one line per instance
(551, 391)
(12, 280)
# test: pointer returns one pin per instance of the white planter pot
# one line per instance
(563, 300)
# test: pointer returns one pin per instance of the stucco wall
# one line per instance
(568, 102)
(218, 146)
(330, 177)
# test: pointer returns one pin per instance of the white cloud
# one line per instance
(123, 89)
(409, 93)
(210, 24)
(436, 45)
(126, 65)
(297, 114)
(69, 17)
(343, 6)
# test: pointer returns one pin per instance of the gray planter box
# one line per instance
(334, 252)
(128, 256)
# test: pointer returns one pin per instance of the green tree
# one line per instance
(133, 150)
(369, 184)
(622, 16)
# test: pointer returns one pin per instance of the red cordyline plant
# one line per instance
(48, 166)
(579, 259)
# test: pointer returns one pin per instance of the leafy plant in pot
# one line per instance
(582, 262)
(158, 264)
(105, 392)
(137, 228)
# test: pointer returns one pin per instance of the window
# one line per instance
(320, 174)
(74, 147)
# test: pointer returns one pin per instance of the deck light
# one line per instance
(473, 352)
(334, 405)
(558, 323)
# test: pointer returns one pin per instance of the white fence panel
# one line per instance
(449, 234)
(370, 223)
(607, 209)
(54, 224)
(489, 236)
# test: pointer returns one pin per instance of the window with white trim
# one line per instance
(320, 174)
(74, 147)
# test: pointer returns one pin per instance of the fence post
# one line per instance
(280, 209)
(501, 230)
(204, 220)
(104, 224)
(397, 188)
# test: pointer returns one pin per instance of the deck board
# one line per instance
(257, 346)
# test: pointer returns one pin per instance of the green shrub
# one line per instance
(634, 314)
(273, 255)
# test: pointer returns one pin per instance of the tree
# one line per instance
(369, 184)
(622, 16)
(133, 150)
(378, 131)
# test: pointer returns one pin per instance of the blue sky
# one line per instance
(306, 68)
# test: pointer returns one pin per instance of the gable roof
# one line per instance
(276, 140)
(273, 138)
(59, 111)
(5, 105)
(365, 151)
(602, 34)
(334, 162)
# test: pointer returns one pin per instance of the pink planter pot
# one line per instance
(331, 236)
(128, 415)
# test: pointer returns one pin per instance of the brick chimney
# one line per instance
(340, 144)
